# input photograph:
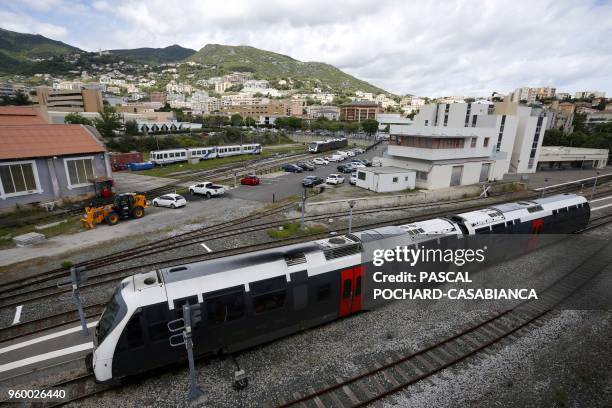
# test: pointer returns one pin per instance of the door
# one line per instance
(350, 290)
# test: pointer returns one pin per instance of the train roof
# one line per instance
(510, 211)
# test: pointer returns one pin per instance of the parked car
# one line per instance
(170, 200)
(376, 164)
(345, 168)
(320, 161)
(357, 164)
(334, 158)
(350, 153)
(335, 179)
(358, 150)
(342, 153)
(311, 181)
(353, 179)
(250, 180)
(366, 162)
(306, 166)
(292, 168)
(208, 189)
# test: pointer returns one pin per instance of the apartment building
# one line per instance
(273, 108)
(328, 112)
(589, 94)
(359, 111)
(82, 100)
(465, 143)
(561, 116)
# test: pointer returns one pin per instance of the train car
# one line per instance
(234, 150)
(202, 153)
(320, 146)
(253, 298)
(168, 156)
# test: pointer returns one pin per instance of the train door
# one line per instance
(350, 290)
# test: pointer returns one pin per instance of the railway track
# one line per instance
(403, 370)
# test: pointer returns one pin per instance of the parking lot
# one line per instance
(278, 186)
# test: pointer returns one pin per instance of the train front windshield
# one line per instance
(112, 315)
(312, 147)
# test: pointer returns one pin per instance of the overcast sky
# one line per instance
(429, 48)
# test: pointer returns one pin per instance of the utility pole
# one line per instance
(351, 204)
(75, 280)
(594, 186)
(545, 186)
(303, 207)
(192, 315)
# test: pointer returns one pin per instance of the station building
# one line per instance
(466, 143)
(562, 157)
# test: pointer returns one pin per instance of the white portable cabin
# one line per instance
(385, 179)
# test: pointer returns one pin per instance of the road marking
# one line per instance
(601, 207)
(206, 247)
(17, 315)
(601, 199)
(44, 338)
(45, 356)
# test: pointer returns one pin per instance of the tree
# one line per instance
(249, 121)
(76, 118)
(108, 122)
(18, 99)
(235, 88)
(370, 126)
(236, 120)
(131, 127)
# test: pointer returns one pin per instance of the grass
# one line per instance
(167, 170)
(292, 229)
(73, 225)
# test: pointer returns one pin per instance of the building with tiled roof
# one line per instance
(23, 115)
(43, 163)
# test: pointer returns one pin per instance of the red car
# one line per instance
(250, 180)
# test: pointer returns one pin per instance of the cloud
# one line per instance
(430, 47)
(25, 24)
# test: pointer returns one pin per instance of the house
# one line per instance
(49, 163)
(386, 179)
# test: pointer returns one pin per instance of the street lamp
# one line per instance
(545, 185)
(351, 204)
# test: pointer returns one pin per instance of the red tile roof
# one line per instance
(22, 115)
(19, 142)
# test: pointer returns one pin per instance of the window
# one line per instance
(269, 294)
(157, 319)
(486, 142)
(323, 292)
(178, 304)
(484, 172)
(361, 175)
(19, 178)
(395, 179)
(482, 230)
(473, 142)
(225, 305)
(133, 333)
(421, 175)
(79, 171)
(346, 294)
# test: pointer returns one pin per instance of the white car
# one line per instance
(320, 161)
(357, 165)
(170, 200)
(358, 150)
(207, 188)
(350, 153)
(353, 179)
(335, 179)
(333, 158)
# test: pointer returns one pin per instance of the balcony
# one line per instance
(421, 153)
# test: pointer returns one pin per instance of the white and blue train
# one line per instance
(202, 153)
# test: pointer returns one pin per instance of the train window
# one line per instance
(133, 332)
(178, 304)
(358, 286)
(323, 292)
(534, 209)
(157, 319)
(555, 212)
(572, 207)
(562, 210)
(269, 294)
(482, 230)
(225, 306)
(498, 227)
(346, 294)
(183, 154)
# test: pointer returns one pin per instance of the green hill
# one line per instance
(155, 56)
(273, 66)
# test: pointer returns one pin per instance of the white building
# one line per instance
(387, 119)
(410, 104)
(524, 94)
(589, 94)
(461, 144)
(328, 112)
(386, 179)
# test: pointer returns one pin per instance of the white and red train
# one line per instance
(257, 297)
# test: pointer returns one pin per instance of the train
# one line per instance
(202, 153)
(253, 298)
(320, 146)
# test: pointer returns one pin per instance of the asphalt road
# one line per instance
(290, 184)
